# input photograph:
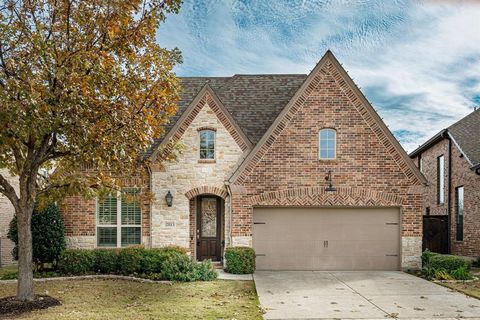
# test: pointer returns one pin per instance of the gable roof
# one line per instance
(466, 135)
(358, 100)
(252, 101)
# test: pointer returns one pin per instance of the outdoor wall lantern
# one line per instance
(328, 178)
(169, 198)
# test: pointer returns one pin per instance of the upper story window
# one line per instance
(207, 144)
(459, 194)
(119, 219)
(327, 144)
(441, 179)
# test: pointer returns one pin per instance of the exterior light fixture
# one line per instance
(328, 178)
(169, 198)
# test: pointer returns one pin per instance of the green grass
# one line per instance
(119, 299)
(7, 270)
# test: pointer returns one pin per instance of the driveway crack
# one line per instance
(361, 295)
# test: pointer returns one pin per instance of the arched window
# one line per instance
(327, 144)
(207, 144)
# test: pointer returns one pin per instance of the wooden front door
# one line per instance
(209, 228)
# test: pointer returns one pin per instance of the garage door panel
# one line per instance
(327, 239)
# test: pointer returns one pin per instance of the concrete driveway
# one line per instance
(358, 295)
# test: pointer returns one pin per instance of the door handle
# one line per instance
(325, 243)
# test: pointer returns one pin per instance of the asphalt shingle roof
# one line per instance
(466, 133)
(254, 101)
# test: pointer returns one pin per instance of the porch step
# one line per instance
(217, 265)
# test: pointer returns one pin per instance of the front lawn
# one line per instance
(119, 299)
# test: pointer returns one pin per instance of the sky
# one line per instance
(417, 62)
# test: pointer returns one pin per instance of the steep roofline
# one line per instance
(328, 56)
(200, 95)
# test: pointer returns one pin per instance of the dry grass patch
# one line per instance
(118, 299)
(471, 288)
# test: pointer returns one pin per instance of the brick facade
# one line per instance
(371, 169)
(368, 171)
(461, 175)
(6, 214)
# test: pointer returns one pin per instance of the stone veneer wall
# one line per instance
(175, 225)
(6, 214)
(368, 171)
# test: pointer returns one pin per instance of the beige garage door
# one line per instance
(326, 239)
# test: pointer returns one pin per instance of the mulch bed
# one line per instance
(10, 306)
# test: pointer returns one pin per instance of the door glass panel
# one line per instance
(209, 217)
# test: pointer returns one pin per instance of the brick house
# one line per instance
(300, 167)
(450, 161)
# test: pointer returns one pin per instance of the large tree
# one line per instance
(82, 84)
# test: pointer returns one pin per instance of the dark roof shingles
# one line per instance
(466, 133)
(254, 101)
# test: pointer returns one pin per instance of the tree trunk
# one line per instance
(25, 272)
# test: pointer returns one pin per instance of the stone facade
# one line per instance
(461, 175)
(6, 214)
(368, 170)
(188, 176)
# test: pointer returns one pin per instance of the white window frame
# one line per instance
(214, 143)
(441, 179)
(320, 144)
(119, 225)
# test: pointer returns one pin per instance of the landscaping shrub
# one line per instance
(130, 260)
(155, 264)
(48, 235)
(445, 267)
(461, 273)
(77, 262)
(448, 262)
(106, 260)
(240, 260)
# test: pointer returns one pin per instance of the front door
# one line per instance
(209, 228)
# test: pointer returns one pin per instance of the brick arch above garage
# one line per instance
(317, 196)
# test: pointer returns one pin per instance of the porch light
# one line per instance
(328, 178)
(169, 198)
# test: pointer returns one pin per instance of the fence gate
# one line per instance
(435, 233)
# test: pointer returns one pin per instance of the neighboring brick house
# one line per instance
(6, 214)
(257, 150)
(450, 161)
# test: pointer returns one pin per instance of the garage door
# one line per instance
(326, 239)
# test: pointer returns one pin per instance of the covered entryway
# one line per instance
(292, 238)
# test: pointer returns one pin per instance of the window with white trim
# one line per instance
(207, 144)
(441, 179)
(327, 144)
(119, 219)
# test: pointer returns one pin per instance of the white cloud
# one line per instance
(418, 63)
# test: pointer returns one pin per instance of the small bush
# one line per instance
(48, 235)
(448, 262)
(426, 256)
(77, 262)
(152, 261)
(461, 273)
(442, 275)
(106, 261)
(204, 271)
(240, 260)
(130, 260)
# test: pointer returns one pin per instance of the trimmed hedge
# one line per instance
(445, 267)
(240, 260)
(170, 263)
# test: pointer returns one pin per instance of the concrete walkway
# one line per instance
(358, 295)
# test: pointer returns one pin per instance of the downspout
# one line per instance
(229, 191)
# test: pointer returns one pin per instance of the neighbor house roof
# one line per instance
(466, 135)
(253, 101)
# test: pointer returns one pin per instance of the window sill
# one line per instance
(206, 161)
(329, 160)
